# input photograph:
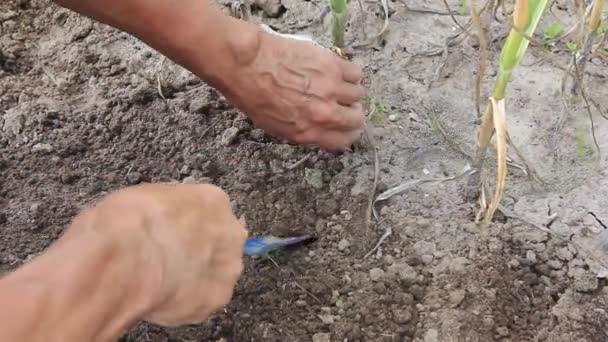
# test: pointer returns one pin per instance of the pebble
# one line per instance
(327, 318)
(42, 148)
(321, 337)
(402, 316)
(514, 264)
(134, 178)
(555, 264)
(404, 271)
(388, 259)
(35, 208)
(432, 335)
(257, 134)
(456, 297)
(502, 331)
(301, 303)
(199, 104)
(393, 117)
(343, 244)
(314, 178)
(427, 259)
(584, 281)
(189, 180)
(530, 235)
(68, 178)
(564, 254)
(229, 136)
(459, 264)
(424, 247)
(531, 256)
(14, 120)
(376, 274)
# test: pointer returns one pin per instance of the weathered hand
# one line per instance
(191, 242)
(300, 92)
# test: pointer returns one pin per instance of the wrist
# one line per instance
(86, 287)
(216, 47)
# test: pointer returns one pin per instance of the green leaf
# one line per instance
(552, 32)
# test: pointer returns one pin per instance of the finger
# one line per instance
(349, 118)
(340, 140)
(349, 93)
(350, 72)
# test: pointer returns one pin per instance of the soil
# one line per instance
(82, 115)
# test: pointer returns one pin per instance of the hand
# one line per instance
(300, 92)
(191, 237)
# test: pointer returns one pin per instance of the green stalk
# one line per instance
(516, 44)
(338, 9)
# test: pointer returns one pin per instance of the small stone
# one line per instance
(47, 148)
(376, 274)
(456, 297)
(424, 247)
(388, 259)
(189, 180)
(134, 178)
(229, 136)
(555, 264)
(527, 235)
(502, 331)
(458, 264)
(432, 335)
(427, 259)
(36, 208)
(68, 178)
(321, 337)
(584, 281)
(14, 120)
(402, 316)
(564, 254)
(514, 264)
(257, 134)
(404, 271)
(314, 178)
(301, 303)
(343, 244)
(393, 118)
(185, 170)
(327, 318)
(199, 104)
(531, 256)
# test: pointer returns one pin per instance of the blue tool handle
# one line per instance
(264, 244)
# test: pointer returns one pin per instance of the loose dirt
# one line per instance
(82, 115)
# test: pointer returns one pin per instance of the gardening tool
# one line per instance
(264, 244)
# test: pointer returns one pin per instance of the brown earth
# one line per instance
(82, 115)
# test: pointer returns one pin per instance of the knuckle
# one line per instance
(214, 193)
(306, 138)
(322, 115)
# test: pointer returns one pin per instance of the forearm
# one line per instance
(83, 289)
(193, 33)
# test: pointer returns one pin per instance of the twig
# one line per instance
(589, 113)
(215, 122)
(436, 124)
(299, 162)
(307, 292)
(372, 192)
(451, 13)
(396, 190)
(295, 282)
(387, 232)
(428, 10)
(384, 4)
